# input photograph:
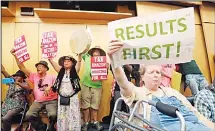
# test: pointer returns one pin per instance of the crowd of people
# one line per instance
(59, 94)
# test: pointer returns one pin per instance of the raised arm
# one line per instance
(20, 65)
(4, 72)
(28, 85)
(55, 65)
(78, 65)
(119, 74)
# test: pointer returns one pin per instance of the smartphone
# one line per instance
(7, 81)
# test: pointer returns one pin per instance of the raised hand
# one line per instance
(41, 45)
(47, 90)
(114, 46)
(12, 51)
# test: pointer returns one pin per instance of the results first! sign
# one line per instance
(98, 68)
(164, 38)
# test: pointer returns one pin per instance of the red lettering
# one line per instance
(98, 65)
(21, 45)
(48, 34)
(21, 52)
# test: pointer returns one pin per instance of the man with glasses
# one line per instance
(43, 95)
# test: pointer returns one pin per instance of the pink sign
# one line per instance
(98, 68)
(20, 48)
(49, 45)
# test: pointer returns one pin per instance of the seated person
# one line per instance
(15, 98)
(205, 102)
(44, 97)
(192, 76)
(151, 90)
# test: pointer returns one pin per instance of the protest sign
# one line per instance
(164, 38)
(20, 48)
(98, 68)
(49, 45)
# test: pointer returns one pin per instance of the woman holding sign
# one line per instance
(151, 76)
(67, 86)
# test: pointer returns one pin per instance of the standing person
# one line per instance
(192, 76)
(167, 70)
(14, 102)
(43, 95)
(67, 85)
(91, 91)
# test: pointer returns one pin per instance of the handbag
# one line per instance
(64, 100)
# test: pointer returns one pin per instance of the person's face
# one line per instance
(152, 76)
(67, 63)
(96, 53)
(41, 69)
(18, 78)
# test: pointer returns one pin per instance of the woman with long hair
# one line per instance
(67, 86)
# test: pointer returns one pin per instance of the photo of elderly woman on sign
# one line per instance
(151, 90)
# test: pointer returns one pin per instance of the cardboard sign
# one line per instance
(163, 38)
(98, 68)
(49, 45)
(20, 48)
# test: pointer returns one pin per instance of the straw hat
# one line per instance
(102, 52)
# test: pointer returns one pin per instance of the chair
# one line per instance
(127, 119)
(43, 113)
(20, 117)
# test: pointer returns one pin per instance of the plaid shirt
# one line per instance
(205, 103)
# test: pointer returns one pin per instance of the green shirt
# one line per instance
(189, 68)
(86, 79)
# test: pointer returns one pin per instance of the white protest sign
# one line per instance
(164, 38)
